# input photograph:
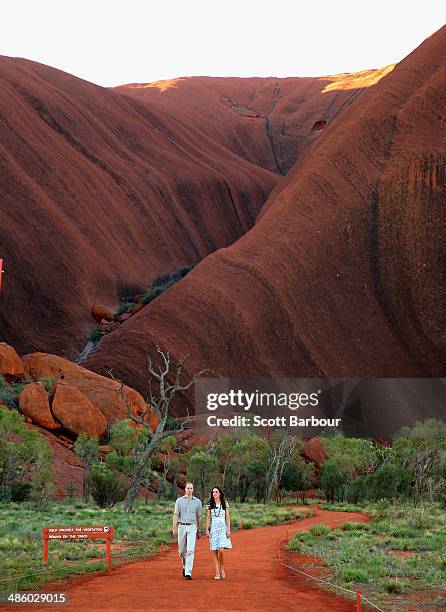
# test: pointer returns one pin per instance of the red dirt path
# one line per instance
(254, 581)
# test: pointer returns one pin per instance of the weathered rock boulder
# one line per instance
(76, 412)
(99, 312)
(11, 366)
(34, 403)
(105, 449)
(103, 392)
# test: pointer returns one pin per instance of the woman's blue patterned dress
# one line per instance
(217, 531)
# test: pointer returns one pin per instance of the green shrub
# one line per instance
(9, 392)
(123, 307)
(421, 518)
(5, 493)
(319, 530)
(356, 526)
(71, 489)
(381, 508)
(393, 586)
(106, 485)
(342, 507)
(42, 486)
(402, 532)
(295, 546)
(302, 536)
(248, 524)
(354, 574)
(48, 383)
(20, 491)
(94, 335)
(163, 282)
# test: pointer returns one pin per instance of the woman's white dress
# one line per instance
(217, 531)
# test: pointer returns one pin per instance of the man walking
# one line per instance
(186, 522)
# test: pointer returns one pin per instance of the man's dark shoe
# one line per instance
(188, 577)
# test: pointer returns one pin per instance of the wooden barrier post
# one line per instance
(358, 601)
(241, 525)
(108, 551)
(45, 544)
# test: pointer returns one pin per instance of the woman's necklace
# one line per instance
(219, 510)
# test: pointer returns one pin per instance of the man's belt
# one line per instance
(185, 523)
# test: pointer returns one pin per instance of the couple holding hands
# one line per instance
(187, 526)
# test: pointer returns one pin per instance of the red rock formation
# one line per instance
(119, 192)
(124, 187)
(76, 412)
(313, 450)
(343, 273)
(267, 121)
(34, 403)
(103, 392)
(11, 365)
(100, 312)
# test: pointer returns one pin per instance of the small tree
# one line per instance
(42, 486)
(331, 480)
(87, 449)
(71, 490)
(297, 476)
(167, 446)
(389, 480)
(159, 401)
(202, 470)
(283, 448)
(224, 451)
(422, 450)
(24, 454)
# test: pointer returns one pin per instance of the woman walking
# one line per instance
(218, 529)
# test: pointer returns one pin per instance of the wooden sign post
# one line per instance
(79, 533)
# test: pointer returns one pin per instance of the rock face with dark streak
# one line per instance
(343, 274)
(267, 121)
(100, 190)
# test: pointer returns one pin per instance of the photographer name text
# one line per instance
(278, 421)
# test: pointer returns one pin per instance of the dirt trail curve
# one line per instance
(253, 580)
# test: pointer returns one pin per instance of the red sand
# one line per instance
(253, 581)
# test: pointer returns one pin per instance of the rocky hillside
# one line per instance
(343, 274)
(268, 121)
(101, 190)
(61, 400)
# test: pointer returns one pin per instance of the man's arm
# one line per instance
(175, 520)
(199, 510)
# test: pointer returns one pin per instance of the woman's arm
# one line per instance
(208, 521)
(228, 522)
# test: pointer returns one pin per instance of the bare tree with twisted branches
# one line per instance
(158, 401)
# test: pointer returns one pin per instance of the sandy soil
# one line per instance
(255, 579)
